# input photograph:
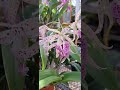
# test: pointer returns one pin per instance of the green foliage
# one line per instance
(105, 77)
(50, 76)
(14, 79)
(71, 76)
(51, 13)
(43, 57)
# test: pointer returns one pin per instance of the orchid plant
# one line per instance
(64, 41)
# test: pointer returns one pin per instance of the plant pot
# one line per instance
(50, 87)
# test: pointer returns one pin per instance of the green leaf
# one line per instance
(54, 1)
(43, 57)
(14, 79)
(75, 53)
(59, 15)
(41, 8)
(75, 56)
(46, 73)
(55, 5)
(27, 12)
(73, 48)
(76, 66)
(71, 76)
(105, 77)
(85, 85)
(48, 80)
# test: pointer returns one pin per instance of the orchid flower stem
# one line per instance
(54, 30)
(52, 23)
(68, 39)
(106, 36)
(74, 37)
(76, 41)
(107, 30)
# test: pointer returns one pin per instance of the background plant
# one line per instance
(100, 28)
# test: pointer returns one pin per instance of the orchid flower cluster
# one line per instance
(59, 40)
